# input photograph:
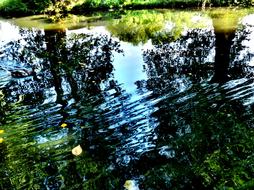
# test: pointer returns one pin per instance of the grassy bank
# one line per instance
(16, 8)
(140, 4)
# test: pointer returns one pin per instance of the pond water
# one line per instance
(149, 99)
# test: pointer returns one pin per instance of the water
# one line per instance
(157, 99)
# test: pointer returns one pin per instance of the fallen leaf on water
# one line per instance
(1, 131)
(1, 140)
(63, 125)
(77, 150)
(131, 185)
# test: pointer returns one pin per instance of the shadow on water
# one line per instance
(129, 105)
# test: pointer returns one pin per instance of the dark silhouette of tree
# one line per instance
(239, 66)
(194, 122)
(175, 66)
(228, 45)
(83, 60)
(55, 46)
(74, 66)
(223, 42)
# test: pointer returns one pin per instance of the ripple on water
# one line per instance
(4, 78)
(120, 124)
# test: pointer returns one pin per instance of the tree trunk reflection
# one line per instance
(223, 42)
(53, 40)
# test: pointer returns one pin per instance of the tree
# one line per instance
(60, 9)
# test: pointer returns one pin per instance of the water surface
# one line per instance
(151, 99)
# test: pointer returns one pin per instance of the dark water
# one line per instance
(150, 99)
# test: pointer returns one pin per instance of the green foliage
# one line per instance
(216, 154)
(220, 149)
(139, 26)
(58, 10)
(100, 4)
(22, 7)
(231, 3)
(13, 7)
(37, 6)
(229, 165)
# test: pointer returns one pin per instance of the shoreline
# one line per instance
(88, 9)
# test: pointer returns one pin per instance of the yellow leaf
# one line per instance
(77, 150)
(1, 140)
(64, 125)
(1, 131)
(131, 185)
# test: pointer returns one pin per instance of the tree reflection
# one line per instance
(241, 55)
(160, 26)
(82, 60)
(182, 135)
(190, 59)
(56, 45)
(229, 42)
(223, 43)
(174, 67)
(74, 66)
(200, 127)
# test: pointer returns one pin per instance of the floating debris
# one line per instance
(131, 185)
(77, 150)
(63, 125)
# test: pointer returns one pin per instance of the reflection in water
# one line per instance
(149, 115)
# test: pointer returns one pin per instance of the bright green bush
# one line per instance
(60, 9)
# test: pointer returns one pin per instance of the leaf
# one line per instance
(77, 150)
(1, 140)
(131, 185)
(1, 131)
(63, 125)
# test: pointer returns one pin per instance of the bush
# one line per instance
(13, 7)
(60, 9)
(37, 6)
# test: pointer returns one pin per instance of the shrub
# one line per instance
(13, 7)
